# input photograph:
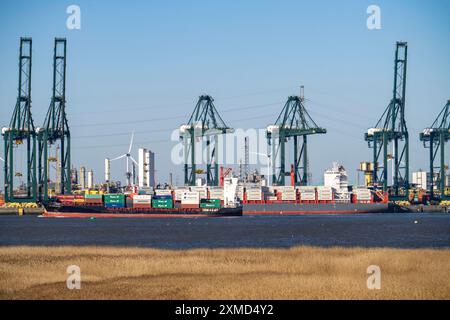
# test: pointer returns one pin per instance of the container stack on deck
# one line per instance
(253, 194)
(190, 199)
(324, 194)
(142, 201)
(307, 194)
(362, 195)
(162, 201)
(114, 200)
(93, 199)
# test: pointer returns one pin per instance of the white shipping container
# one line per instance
(308, 197)
(216, 194)
(324, 197)
(254, 196)
(190, 197)
(142, 199)
(286, 197)
(178, 194)
(163, 192)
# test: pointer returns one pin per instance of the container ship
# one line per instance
(334, 197)
(137, 205)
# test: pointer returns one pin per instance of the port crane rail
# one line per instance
(293, 122)
(204, 122)
(56, 127)
(21, 131)
(391, 128)
(435, 138)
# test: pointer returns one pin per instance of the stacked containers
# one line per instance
(190, 199)
(307, 193)
(114, 200)
(202, 191)
(288, 193)
(362, 194)
(93, 199)
(210, 203)
(66, 199)
(142, 201)
(163, 192)
(253, 193)
(216, 193)
(145, 190)
(178, 193)
(162, 201)
(324, 193)
(79, 199)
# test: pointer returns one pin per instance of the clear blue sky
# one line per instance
(142, 65)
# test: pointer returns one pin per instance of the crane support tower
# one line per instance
(21, 132)
(391, 129)
(435, 137)
(56, 128)
(293, 122)
(205, 122)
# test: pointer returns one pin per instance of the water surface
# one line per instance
(367, 230)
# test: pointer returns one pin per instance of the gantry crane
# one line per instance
(436, 136)
(293, 122)
(391, 127)
(205, 122)
(21, 131)
(56, 127)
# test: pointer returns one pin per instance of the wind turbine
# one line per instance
(128, 156)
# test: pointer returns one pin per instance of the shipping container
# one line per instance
(162, 197)
(162, 203)
(115, 205)
(189, 206)
(163, 192)
(142, 205)
(190, 197)
(209, 205)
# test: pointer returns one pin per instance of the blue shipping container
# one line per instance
(114, 205)
(162, 197)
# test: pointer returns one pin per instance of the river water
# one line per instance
(369, 230)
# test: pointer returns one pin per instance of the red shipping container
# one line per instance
(189, 206)
(142, 205)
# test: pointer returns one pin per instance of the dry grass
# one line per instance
(297, 273)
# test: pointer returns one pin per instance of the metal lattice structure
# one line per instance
(205, 122)
(435, 138)
(391, 128)
(293, 122)
(56, 128)
(21, 131)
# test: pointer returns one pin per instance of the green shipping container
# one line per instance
(162, 203)
(114, 198)
(93, 196)
(210, 205)
(210, 201)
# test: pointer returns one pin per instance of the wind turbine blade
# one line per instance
(119, 157)
(131, 142)
(132, 159)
